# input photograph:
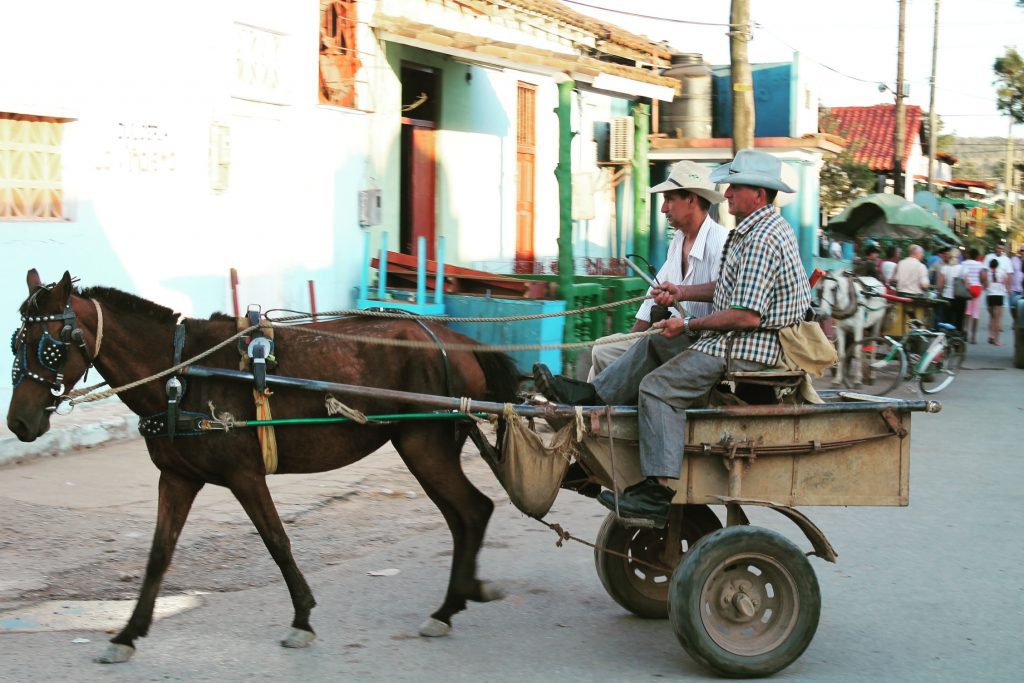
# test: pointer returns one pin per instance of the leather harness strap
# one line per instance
(258, 353)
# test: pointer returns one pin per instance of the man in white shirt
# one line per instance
(1016, 281)
(911, 276)
(694, 255)
(1005, 265)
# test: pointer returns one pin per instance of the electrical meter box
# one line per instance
(369, 207)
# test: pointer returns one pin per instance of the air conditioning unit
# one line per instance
(620, 146)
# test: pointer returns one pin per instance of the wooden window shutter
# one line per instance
(339, 56)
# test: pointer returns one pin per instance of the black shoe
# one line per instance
(564, 390)
(576, 479)
(646, 500)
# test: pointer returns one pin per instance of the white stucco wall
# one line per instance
(142, 214)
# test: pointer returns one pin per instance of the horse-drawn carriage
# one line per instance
(741, 599)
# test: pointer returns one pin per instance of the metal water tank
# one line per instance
(689, 114)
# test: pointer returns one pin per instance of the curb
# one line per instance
(69, 438)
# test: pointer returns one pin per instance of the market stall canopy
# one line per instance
(882, 216)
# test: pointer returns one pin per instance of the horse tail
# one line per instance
(502, 376)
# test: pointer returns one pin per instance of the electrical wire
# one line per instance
(652, 17)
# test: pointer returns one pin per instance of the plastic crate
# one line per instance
(617, 319)
(547, 331)
(622, 288)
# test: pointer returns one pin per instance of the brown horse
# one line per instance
(58, 341)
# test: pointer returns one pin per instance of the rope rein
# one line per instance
(301, 315)
(506, 348)
(86, 395)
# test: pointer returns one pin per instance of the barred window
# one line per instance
(31, 184)
(339, 59)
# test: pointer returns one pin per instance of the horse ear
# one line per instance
(63, 288)
(32, 279)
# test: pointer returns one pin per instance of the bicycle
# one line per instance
(877, 365)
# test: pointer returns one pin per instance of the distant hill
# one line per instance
(982, 158)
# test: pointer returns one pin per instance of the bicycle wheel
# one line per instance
(874, 366)
(941, 372)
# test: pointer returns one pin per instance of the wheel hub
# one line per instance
(739, 601)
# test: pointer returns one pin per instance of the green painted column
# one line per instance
(641, 180)
(563, 175)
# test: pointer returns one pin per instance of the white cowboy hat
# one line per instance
(691, 177)
(754, 168)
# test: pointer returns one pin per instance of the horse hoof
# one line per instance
(433, 628)
(115, 654)
(490, 591)
(298, 637)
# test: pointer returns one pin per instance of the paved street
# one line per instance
(933, 592)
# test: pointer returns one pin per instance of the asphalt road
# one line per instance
(932, 592)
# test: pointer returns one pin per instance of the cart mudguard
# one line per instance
(822, 548)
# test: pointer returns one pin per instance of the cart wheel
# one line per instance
(744, 602)
(637, 587)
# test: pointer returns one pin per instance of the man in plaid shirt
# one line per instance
(762, 288)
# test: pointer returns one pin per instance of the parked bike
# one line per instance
(932, 358)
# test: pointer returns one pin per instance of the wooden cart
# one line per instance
(742, 599)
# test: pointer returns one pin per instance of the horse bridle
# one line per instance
(52, 353)
(851, 309)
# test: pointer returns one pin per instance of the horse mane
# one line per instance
(130, 303)
(502, 375)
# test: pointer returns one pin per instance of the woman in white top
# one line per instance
(994, 278)
(971, 273)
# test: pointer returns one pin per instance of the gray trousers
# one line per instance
(665, 389)
(618, 384)
(603, 355)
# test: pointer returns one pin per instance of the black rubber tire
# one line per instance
(638, 588)
(880, 376)
(778, 587)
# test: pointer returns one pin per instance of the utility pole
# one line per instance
(933, 118)
(742, 80)
(1008, 206)
(899, 128)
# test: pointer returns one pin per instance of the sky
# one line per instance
(852, 46)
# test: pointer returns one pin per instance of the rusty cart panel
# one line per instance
(847, 451)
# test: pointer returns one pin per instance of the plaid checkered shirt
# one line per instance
(762, 273)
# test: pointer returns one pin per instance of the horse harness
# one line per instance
(52, 352)
(854, 304)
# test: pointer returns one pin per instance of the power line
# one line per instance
(648, 16)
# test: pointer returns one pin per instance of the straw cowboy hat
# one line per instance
(750, 167)
(691, 177)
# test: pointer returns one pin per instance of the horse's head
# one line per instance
(836, 299)
(45, 360)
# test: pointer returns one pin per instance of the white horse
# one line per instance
(863, 310)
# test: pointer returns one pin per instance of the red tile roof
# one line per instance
(869, 130)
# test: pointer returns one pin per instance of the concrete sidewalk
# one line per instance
(89, 424)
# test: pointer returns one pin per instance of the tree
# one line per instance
(943, 141)
(1009, 71)
(842, 179)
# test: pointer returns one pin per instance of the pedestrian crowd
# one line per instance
(959, 284)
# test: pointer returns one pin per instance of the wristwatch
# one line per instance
(686, 326)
